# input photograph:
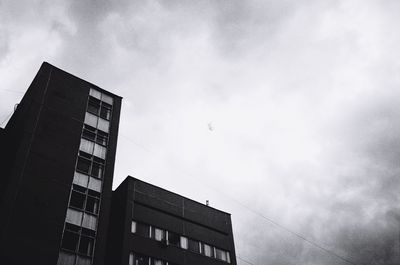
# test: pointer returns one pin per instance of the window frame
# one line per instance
(96, 107)
(91, 159)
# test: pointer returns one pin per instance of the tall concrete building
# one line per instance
(57, 163)
(57, 206)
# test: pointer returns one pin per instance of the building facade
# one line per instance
(58, 153)
(151, 225)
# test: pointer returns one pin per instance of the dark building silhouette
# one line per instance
(57, 155)
(151, 225)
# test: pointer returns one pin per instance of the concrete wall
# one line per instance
(143, 202)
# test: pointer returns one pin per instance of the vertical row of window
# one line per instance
(80, 228)
(174, 239)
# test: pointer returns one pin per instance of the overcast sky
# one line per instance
(291, 108)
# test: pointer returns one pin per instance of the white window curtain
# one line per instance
(131, 259)
(66, 258)
(107, 99)
(89, 221)
(158, 234)
(83, 261)
(184, 242)
(158, 262)
(133, 227)
(81, 179)
(94, 93)
(95, 184)
(74, 217)
(207, 250)
(91, 119)
(87, 146)
(221, 254)
(103, 125)
(99, 151)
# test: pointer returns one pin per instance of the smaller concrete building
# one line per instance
(150, 225)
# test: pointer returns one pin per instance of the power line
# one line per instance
(313, 243)
(12, 91)
(298, 235)
(136, 143)
(245, 261)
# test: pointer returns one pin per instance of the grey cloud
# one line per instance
(303, 97)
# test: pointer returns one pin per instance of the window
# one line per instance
(89, 132)
(95, 185)
(91, 148)
(92, 205)
(90, 165)
(86, 246)
(103, 125)
(91, 119)
(97, 170)
(194, 245)
(184, 242)
(74, 217)
(84, 199)
(101, 96)
(101, 138)
(77, 199)
(136, 259)
(157, 234)
(105, 111)
(157, 262)
(93, 106)
(95, 135)
(83, 261)
(95, 93)
(83, 165)
(133, 227)
(173, 239)
(78, 239)
(97, 122)
(94, 193)
(89, 221)
(222, 255)
(142, 230)
(72, 228)
(79, 188)
(106, 99)
(99, 151)
(70, 241)
(88, 232)
(99, 111)
(65, 258)
(81, 179)
(86, 146)
(208, 250)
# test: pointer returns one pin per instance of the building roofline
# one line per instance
(158, 187)
(83, 80)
